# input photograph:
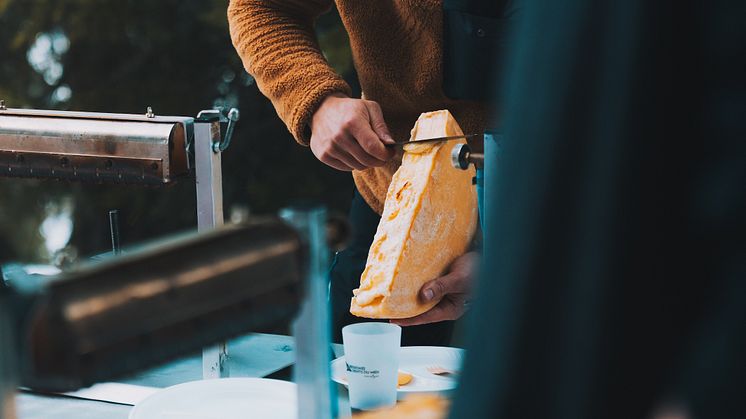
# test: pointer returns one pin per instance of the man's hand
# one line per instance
(451, 289)
(349, 134)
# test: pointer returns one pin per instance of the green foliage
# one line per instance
(173, 55)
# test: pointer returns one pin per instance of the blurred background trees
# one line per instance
(122, 56)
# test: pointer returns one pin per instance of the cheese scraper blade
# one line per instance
(434, 140)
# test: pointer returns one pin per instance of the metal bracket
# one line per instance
(215, 115)
(233, 116)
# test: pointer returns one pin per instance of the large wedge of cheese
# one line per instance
(428, 220)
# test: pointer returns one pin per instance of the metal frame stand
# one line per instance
(312, 328)
(209, 183)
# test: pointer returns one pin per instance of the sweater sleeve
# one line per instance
(278, 46)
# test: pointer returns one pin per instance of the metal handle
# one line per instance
(233, 116)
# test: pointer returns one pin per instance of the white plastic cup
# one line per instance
(372, 358)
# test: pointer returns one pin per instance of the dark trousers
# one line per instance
(346, 269)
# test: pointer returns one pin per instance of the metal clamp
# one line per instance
(2, 105)
(212, 115)
(233, 116)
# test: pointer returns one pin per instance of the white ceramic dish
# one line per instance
(226, 398)
(415, 360)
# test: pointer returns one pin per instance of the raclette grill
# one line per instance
(123, 148)
(143, 308)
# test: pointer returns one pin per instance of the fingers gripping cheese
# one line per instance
(428, 220)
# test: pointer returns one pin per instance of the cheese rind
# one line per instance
(428, 220)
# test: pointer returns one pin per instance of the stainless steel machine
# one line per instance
(123, 148)
(149, 306)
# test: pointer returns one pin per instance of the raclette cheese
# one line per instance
(428, 220)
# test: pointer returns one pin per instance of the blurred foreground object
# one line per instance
(617, 284)
(161, 302)
(173, 297)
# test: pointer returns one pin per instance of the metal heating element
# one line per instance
(97, 147)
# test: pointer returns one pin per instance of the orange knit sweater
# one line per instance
(397, 51)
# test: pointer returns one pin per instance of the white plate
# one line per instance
(415, 360)
(225, 398)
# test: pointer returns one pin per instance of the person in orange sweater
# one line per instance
(398, 55)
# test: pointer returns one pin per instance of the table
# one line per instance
(256, 355)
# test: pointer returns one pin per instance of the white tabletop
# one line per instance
(256, 355)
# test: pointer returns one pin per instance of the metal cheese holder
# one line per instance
(462, 157)
(150, 149)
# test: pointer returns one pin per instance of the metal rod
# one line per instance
(477, 159)
(114, 228)
(8, 363)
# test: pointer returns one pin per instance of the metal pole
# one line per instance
(312, 329)
(7, 363)
(492, 144)
(114, 228)
(209, 180)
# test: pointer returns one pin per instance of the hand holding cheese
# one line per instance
(451, 291)
(428, 221)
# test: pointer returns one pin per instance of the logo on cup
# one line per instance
(354, 369)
